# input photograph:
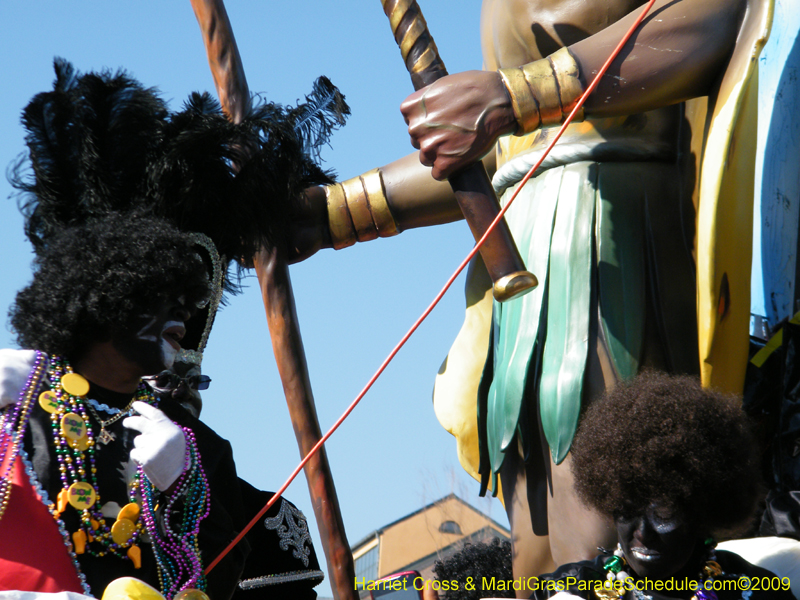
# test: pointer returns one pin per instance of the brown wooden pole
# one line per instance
(276, 291)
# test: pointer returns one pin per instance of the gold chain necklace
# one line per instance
(105, 436)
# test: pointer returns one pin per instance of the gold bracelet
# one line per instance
(358, 210)
(570, 88)
(544, 91)
(343, 234)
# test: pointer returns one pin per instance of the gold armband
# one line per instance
(545, 91)
(358, 210)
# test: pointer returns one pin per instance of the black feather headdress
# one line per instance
(102, 142)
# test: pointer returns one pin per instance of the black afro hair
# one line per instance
(93, 279)
(664, 439)
(476, 561)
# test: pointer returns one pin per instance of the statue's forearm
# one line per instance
(417, 199)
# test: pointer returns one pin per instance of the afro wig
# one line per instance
(93, 279)
(666, 440)
(476, 561)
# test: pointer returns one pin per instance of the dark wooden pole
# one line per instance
(276, 291)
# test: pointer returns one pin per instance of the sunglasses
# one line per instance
(167, 381)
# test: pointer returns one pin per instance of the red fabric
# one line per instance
(33, 556)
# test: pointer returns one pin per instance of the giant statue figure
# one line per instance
(637, 227)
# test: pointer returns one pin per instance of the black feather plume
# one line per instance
(102, 142)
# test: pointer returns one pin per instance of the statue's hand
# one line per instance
(455, 121)
(308, 227)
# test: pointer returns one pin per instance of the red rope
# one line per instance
(438, 297)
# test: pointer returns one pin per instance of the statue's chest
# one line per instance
(515, 32)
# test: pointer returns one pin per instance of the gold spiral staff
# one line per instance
(416, 43)
(471, 185)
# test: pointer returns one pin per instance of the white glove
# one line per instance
(160, 447)
(15, 366)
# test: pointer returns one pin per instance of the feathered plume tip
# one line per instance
(101, 141)
(242, 203)
(323, 111)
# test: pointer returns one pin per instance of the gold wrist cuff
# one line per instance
(343, 234)
(567, 74)
(526, 110)
(545, 91)
(358, 210)
(379, 206)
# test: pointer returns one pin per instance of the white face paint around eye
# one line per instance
(154, 341)
(169, 347)
(145, 333)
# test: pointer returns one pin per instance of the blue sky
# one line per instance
(391, 457)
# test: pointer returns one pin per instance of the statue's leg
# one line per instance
(530, 552)
(575, 530)
(567, 530)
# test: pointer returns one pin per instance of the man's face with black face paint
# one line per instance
(153, 340)
(656, 544)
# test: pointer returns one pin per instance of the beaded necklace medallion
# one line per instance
(75, 448)
(175, 544)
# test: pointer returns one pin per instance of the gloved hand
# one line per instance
(160, 447)
(15, 366)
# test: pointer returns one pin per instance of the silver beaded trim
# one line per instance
(257, 582)
(292, 529)
(34, 481)
(195, 356)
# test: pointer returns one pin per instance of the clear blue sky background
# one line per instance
(391, 457)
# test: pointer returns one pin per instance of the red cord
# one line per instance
(438, 297)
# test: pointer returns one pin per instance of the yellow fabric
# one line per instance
(725, 211)
(128, 588)
(456, 388)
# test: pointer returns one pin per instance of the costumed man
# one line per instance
(286, 562)
(97, 496)
(100, 143)
(607, 225)
(676, 466)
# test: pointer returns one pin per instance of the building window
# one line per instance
(367, 566)
(450, 527)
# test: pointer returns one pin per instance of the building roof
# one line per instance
(372, 535)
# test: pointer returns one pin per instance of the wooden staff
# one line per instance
(471, 186)
(276, 291)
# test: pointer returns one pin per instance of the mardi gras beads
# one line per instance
(75, 448)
